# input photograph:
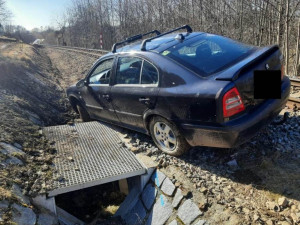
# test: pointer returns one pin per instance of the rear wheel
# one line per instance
(84, 115)
(167, 137)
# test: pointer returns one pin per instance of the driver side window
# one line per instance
(101, 73)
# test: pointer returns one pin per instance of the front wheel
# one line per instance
(84, 115)
(167, 137)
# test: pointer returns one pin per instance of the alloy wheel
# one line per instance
(165, 136)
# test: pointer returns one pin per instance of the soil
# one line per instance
(33, 95)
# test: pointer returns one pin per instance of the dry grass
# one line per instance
(5, 194)
(281, 177)
(111, 209)
(18, 51)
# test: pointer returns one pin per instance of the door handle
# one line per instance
(145, 100)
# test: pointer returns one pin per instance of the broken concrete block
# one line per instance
(161, 212)
(233, 164)
(177, 198)
(4, 204)
(22, 215)
(13, 161)
(149, 195)
(3, 207)
(188, 212)
(158, 178)
(17, 191)
(8, 149)
(47, 219)
(168, 187)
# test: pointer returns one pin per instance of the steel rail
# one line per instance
(295, 82)
(91, 52)
(292, 102)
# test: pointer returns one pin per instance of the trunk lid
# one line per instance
(242, 73)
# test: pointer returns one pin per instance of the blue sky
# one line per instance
(36, 13)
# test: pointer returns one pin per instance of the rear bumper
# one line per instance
(237, 131)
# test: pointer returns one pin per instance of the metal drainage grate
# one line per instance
(89, 154)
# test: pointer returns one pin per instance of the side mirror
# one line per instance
(81, 83)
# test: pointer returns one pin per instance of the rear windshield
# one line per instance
(208, 54)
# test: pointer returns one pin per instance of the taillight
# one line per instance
(282, 71)
(232, 103)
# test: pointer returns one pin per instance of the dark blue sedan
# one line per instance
(184, 89)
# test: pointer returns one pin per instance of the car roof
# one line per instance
(156, 45)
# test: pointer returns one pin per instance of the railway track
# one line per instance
(86, 51)
(292, 102)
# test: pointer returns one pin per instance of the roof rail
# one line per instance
(187, 27)
(132, 39)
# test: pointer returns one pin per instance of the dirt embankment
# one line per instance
(32, 95)
(72, 66)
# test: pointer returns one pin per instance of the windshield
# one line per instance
(208, 54)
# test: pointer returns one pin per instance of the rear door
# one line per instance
(98, 99)
(134, 90)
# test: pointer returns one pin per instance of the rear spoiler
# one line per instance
(233, 72)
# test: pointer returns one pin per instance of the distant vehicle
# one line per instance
(38, 41)
(184, 89)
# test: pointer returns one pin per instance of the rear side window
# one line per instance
(208, 54)
(149, 74)
(132, 70)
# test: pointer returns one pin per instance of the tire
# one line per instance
(167, 136)
(83, 114)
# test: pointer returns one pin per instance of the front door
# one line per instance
(134, 91)
(98, 101)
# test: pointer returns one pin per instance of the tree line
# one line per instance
(256, 22)
(5, 14)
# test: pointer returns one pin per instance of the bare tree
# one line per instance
(5, 14)
(257, 22)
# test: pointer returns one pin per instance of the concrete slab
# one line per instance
(168, 187)
(188, 212)
(161, 212)
(177, 198)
